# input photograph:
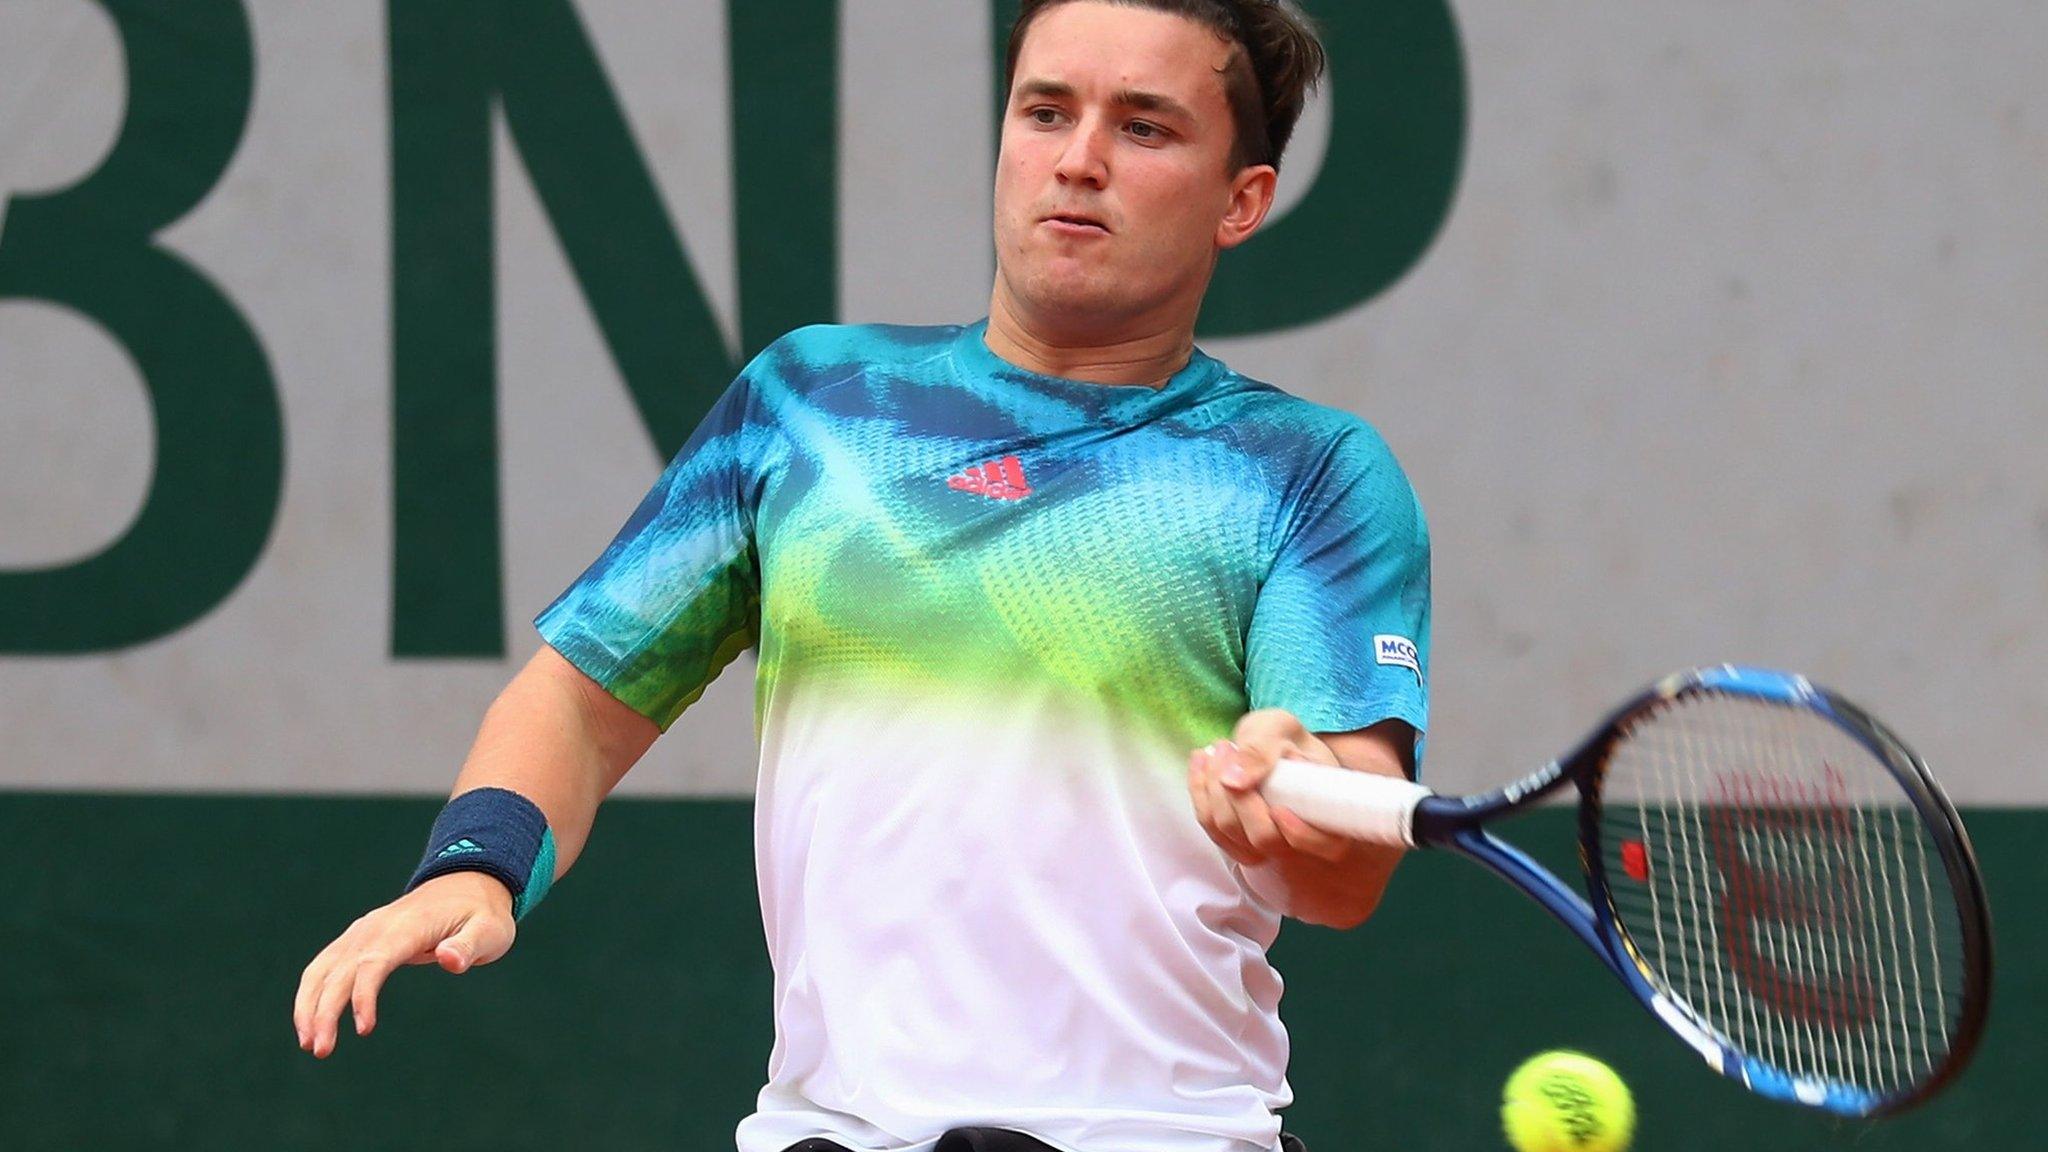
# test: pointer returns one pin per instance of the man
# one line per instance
(1002, 578)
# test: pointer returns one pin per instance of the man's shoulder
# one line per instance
(824, 352)
(1277, 424)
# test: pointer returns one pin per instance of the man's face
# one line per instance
(1115, 178)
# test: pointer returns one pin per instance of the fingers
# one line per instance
(349, 973)
(309, 993)
(1229, 829)
(1223, 782)
(1212, 808)
(454, 955)
(315, 995)
(1241, 771)
(480, 940)
(1236, 819)
(1245, 766)
(362, 1001)
(1307, 838)
(451, 926)
(335, 991)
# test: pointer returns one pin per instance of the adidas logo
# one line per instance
(462, 847)
(998, 480)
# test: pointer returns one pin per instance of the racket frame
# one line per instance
(1458, 824)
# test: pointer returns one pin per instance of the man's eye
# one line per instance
(1043, 115)
(1146, 130)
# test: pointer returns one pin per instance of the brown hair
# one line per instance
(1267, 81)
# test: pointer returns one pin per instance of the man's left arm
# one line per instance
(1307, 873)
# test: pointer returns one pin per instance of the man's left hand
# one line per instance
(1310, 874)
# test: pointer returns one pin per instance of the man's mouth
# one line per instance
(1070, 221)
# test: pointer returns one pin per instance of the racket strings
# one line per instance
(1777, 883)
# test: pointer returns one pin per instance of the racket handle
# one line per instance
(1362, 805)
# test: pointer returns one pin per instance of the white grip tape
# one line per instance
(1361, 805)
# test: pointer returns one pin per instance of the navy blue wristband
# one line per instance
(497, 832)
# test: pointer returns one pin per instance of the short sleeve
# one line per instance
(676, 596)
(1339, 634)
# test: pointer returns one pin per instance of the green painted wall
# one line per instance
(150, 947)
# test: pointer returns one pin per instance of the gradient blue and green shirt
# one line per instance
(995, 610)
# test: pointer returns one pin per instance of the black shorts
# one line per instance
(996, 1140)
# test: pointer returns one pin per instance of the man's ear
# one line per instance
(1251, 197)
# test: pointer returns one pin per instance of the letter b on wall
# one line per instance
(219, 431)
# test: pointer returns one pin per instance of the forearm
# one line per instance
(1342, 893)
(556, 738)
(1336, 894)
(553, 737)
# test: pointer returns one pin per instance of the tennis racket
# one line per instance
(1773, 874)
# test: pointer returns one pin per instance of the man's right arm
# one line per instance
(553, 736)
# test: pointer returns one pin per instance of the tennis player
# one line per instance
(1002, 577)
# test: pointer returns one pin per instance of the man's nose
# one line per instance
(1085, 160)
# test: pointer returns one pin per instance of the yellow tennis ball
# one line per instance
(1567, 1102)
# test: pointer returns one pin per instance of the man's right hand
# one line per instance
(458, 920)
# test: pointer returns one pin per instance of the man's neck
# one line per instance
(1145, 356)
